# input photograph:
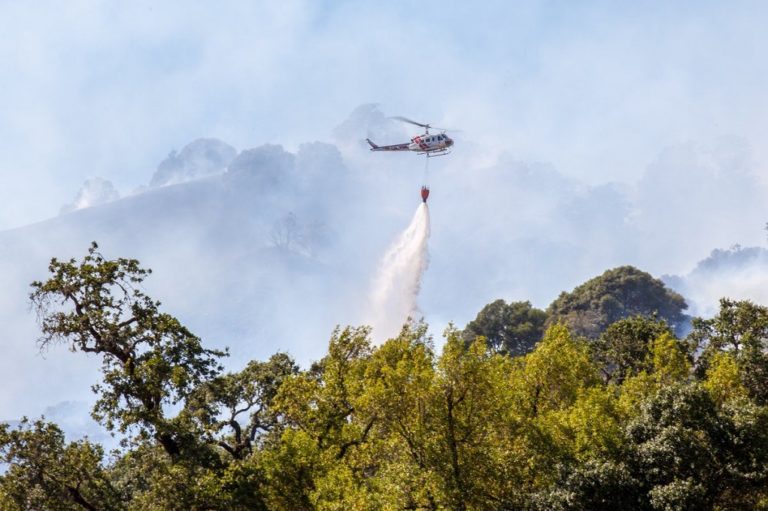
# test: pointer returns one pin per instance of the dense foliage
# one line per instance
(616, 294)
(634, 418)
(512, 328)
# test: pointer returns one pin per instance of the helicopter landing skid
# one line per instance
(436, 154)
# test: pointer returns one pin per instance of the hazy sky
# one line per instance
(595, 134)
(597, 89)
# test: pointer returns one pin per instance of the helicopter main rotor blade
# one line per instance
(427, 126)
(409, 121)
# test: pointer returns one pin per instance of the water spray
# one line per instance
(398, 280)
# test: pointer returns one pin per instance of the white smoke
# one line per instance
(738, 273)
(743, 284)
(94, 192)
(398, 280)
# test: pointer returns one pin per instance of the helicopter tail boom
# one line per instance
(395, 147)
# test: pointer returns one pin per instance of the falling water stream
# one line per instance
(398, 280)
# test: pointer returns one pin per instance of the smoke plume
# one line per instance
(397, 283)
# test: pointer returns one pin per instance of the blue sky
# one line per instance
(596, 88)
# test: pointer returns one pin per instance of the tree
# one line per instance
(616, 294)
(513, 328)
(46, 472)
(691, 454)
(723, 378)
(399, 390)
(741, 329)
(595, 484)
(666, 363)
(623, 348)
(219, 405)
(327, 428)
(681, 451)
(149, 360)
(544, 388)
(552, 376)
(466, 449)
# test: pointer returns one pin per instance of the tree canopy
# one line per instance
(634, 419)
(616, 294)
(512, 328)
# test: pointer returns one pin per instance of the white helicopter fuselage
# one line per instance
(429, 143)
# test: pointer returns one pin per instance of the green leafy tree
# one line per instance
(235, 410)
(399, 390)
(591, 429)
(327, 428)
(681, 451)
(466, 450)
(552, 376)
(513, 328)
(594, 484)
(741, 329)
(691, 454)
(723, 378)
(149, 360)
(46, 472)
(623, 348)
(666, 364)
(616, 294)
(548, 398)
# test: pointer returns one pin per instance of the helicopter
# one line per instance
(429, 144)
